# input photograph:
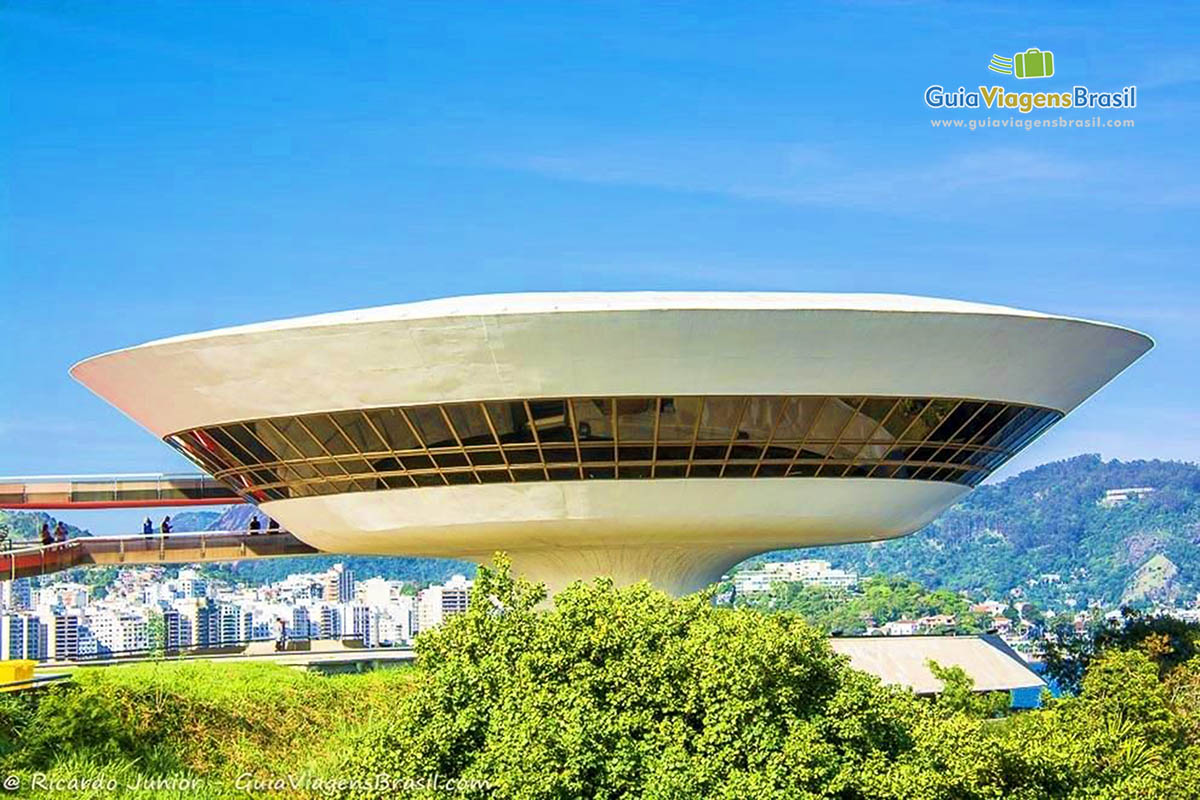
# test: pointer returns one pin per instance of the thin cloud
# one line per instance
(812, 177)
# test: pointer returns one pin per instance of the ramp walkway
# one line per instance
(140, 490)
(26, 559)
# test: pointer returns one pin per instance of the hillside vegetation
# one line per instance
(1045, 532)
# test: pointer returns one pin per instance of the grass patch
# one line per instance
(209, 720)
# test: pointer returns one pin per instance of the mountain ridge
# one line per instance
(1046, 534)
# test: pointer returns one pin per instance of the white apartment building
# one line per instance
(190, 584)
(234, 623)
(119, 630)
(809, 571)
(356, 623)
(438, 602)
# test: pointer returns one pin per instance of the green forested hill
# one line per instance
(1048, 521)
(28, 524)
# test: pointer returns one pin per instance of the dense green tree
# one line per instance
(1048, 521)
(1167, 641)
(629, 693)
(876, 600)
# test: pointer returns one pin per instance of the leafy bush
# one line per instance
(628, 693)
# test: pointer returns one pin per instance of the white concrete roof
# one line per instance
(494, 347)
(570, 302)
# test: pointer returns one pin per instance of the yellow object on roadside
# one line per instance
(17, 670)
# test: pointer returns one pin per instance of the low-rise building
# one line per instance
(813, 572)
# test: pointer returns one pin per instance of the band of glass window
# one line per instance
(623, 438)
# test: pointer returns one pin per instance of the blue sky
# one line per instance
(175, 167)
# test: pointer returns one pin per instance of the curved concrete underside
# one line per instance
(679, 534)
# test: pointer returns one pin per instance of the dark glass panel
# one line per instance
(558, 454)
(550, 420)
(353, 425)
(677, 422)
(327, 434)
(355, 466)
(951, 425)
(522, 455)
(882, 471)
(470, 424)
(995, 432)
(777, 452)
(394, 429)
(493, 476)
(300, 439)
(485, 457)
(431, 426)
(634, 452)
(635, 419)
(510, 421)
(593, 419)
(876, 410)
(251, 445)
(329, 469)
(902, 418)
(227, 443)
(528, 474)
(720, 420)
(759, 417)
(452, 459)
(674, 452)
(594, 451)
(928, 420)
(416, 461)
(194, 446)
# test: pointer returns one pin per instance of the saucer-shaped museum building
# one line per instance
(660, 436)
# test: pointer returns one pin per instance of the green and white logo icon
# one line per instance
(1033, 63)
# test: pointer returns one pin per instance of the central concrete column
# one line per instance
(677, 570)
